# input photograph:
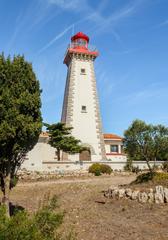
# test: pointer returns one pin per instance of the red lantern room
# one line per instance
(80, 40)
(79, 45)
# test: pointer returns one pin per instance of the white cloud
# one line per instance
(165, 23)
(61, 34)
(67, 4)
(102, 23)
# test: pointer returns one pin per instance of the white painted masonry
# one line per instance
(81, 105)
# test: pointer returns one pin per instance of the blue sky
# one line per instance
(131, 36)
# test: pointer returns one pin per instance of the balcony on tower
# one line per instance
(80, 45)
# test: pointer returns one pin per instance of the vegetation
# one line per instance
(151, 176)
(20, 117)
(146, 142)
(98, 169)
(42, 225)
(130, 168)
(61, 139)
(165, 166)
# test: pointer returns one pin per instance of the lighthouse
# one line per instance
(81, 103)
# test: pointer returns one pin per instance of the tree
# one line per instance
(20, 117)
(61, 139)
(146, 142)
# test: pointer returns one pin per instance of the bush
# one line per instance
(135, 169)
(42, 225)
(97, 169)
(151, 176)
(128, 166)
(165, 166)
(106, 169)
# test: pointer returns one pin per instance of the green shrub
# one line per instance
(106, 169)
(97, 169)
(42, 225)
(151, 176)
(13, 181)
(128, 165)
(135, 169)
(165, 166)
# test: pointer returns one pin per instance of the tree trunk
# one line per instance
(149, 166)
(6, 192)
(58, 154)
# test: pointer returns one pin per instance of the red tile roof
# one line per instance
(106, 136)
(112, 136)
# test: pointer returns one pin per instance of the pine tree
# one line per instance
(20, 117)
(60, 138)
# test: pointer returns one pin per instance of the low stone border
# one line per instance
(157, 195)
(36, 176)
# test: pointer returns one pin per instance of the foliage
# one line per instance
(95, 168)
(165, 166)
(135, 169)
(151, 176)
(146, 142)
(42, 225)
(128, 166)
(106, 169)
(61, 139)
(20, 116)
(98, 169)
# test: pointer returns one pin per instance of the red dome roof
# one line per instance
(80, 35)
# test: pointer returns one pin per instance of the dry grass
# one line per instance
(94, 217)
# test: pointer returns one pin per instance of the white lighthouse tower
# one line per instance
(81, 104)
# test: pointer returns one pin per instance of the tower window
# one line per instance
(83, 71)
(83, 109)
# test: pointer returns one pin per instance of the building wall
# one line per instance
(108, 144)
(42, 152)
(81, 91)
(43, 158)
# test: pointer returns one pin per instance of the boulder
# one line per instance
(115, 193)
(165, 195)
(134, 195)
(159, 198)
(142, 197)
(121, 193)
(128, 192)
(159, 194)
(150, 197)
(159, 190)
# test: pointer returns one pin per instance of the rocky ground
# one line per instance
(91, 215)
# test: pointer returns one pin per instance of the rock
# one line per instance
(165, 190)
(128, 192)
(151, 190)
(115, 193)
(151, 197)
(159, 189)
(159, 198)
(134, 195)
(121, 193)
(159, 194)
(107, 194)
(142, 197)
